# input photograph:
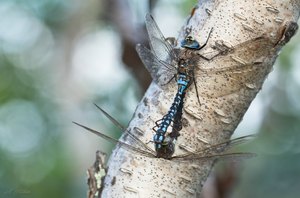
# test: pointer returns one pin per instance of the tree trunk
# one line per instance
(245, 41)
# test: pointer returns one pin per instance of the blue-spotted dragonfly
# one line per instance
(184, 74)
(165, 62)
(211, 152)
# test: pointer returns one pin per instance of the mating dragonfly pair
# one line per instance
(165, 62)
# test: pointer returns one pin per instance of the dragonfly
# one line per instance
(212, 152)
(167, 145)
(176, 121)
(184, 73)
(165, 62)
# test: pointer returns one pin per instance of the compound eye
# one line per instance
(190, 38)
(190, 43)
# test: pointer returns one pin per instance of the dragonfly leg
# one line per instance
(208, 59)
(150, 141)
(206, 39)
(169, 80)
(195, 84)
(155, 128)
(157, 124)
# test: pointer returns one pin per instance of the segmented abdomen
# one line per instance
(169, 117)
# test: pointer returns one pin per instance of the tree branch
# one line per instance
(246, 39)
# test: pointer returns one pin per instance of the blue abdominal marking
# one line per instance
(165, 122)
(177, 122)
(167, 147)
(159, 137)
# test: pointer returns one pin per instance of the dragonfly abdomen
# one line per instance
(159, 137)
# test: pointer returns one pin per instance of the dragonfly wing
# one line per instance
(245, 68)
(158, 43)
(227, 156)
(161, 72)
(113, 120)
(120, 126)
(217, 148)
(239, 140)
(123, 144)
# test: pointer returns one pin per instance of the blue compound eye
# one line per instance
(190, 42)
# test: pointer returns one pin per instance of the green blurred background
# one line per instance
(57, 58)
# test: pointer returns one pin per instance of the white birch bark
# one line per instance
(236, 26)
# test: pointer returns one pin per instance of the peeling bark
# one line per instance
(244, 44)
(96, 174)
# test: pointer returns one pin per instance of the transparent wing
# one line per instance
(123, 144)
(123, 129)
(215, 149)
(159, 45)
(161, 72)
(245, 69)
(114, 121)
(227, 156)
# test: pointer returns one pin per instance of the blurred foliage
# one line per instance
(34, 162)
(43, 89)
(186, 6)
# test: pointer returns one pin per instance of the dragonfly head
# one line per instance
(190, 43)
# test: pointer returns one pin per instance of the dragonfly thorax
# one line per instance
(183, 66)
